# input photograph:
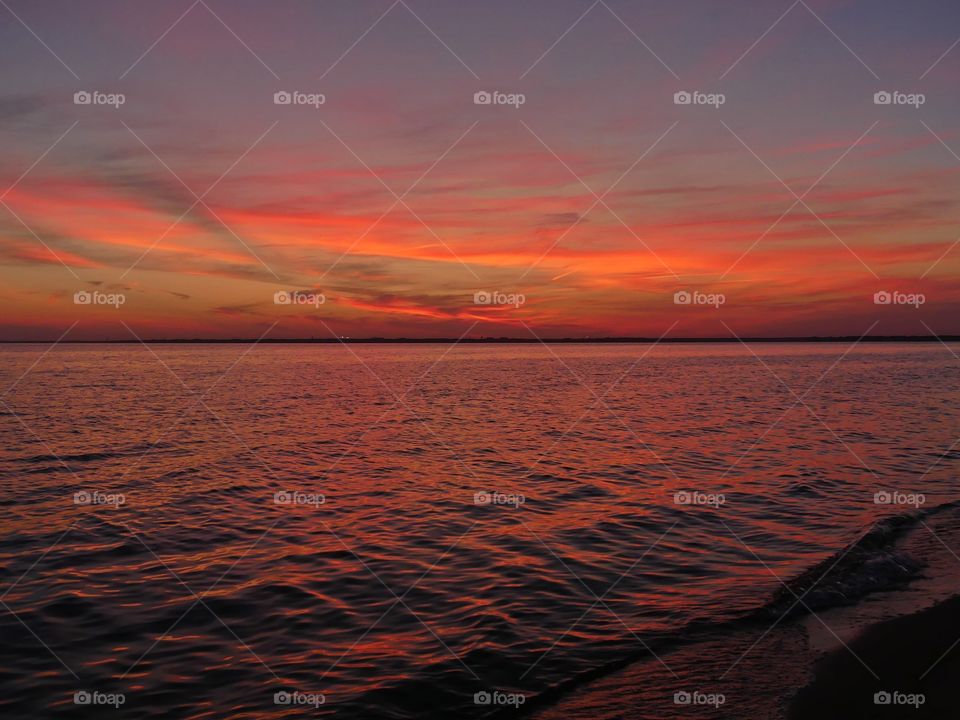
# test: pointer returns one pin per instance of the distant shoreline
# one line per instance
(502, 341)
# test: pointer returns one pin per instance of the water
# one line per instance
(399, 596)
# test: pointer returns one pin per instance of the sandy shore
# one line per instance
(900, 652)
(797, 667)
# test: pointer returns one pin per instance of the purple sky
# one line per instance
(398, 199)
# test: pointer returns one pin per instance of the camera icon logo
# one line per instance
(681, 498)
(682, 297)
(682, 98)
(82, 97)
(882, 698)
(82, 498)
(82, 697)
(882, 98)
(682, 697)
(482, 97)
(282, 97)
(281, 698)
(882, 298)
(82, 297)
(481, 498)
(281, 297)
(482, 698)
(882, 498)
(482, 297)
(284, 497)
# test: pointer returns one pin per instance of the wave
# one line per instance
(44, 459)
(872, 563)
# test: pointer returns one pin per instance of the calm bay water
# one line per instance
(493, 518)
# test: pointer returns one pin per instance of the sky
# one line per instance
(585, 201)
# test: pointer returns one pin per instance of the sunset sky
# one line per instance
(399, 198)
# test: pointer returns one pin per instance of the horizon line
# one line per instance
(504, 340)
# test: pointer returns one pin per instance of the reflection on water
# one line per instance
(390, 530)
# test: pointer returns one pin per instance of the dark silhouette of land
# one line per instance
(516, 341)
